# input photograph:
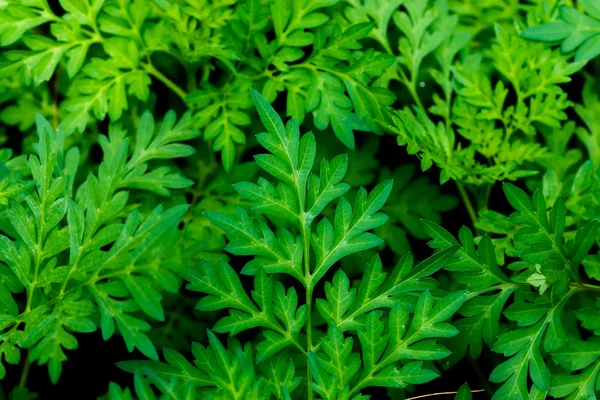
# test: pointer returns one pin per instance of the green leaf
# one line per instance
(575, 30)
(226, 370)
(345, 307)
(524, 348)
(577, 356)
(464, 392)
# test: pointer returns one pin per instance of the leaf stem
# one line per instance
(309, 288)
(40, 241)
(416, 97)
(25, 371)
(309, 338)
(169, 83)
(411, 85)
(584, 286)
(483, 205)
(467, 202)
(501, 286)
(55, 98)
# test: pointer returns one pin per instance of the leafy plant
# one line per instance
(111, 51)
(545, 277)
(290, 330)
(240, 259)
(84, 256)
(499, 132)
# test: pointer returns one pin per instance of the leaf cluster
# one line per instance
(239, 257)
(83, 255)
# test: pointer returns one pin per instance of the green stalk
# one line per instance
(150, 69)
(308, 285)
(25, 371)
(467, 202)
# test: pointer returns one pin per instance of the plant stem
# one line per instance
(486, 197)
(169, 83)
(55, 98)
(309, 339)
(467, 202)
(411, 85)
(416, 97)
(584, 286)
(25, 371)
(308, 283)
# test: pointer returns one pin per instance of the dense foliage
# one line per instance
(323, 199)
